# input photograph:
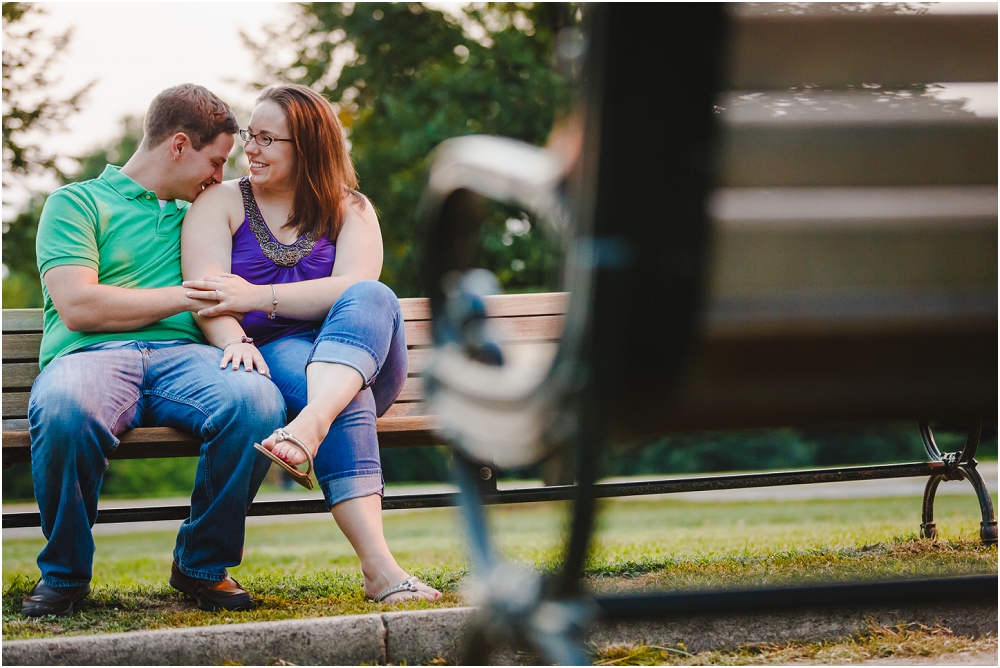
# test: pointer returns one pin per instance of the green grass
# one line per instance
(904, 644)
(307, 568)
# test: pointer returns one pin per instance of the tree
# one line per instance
(29, 107)
(405, 77)
(30, 111)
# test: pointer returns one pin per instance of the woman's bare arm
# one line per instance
(206, 250)
(359, 257)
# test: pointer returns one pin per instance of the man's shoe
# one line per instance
(226, 594)
(45, 600)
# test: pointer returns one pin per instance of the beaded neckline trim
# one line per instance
(279, 253)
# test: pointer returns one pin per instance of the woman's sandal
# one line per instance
(409, 584)
(299, 476)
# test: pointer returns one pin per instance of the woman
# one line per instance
(296, 251)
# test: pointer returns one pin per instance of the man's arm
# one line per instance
(84, 305)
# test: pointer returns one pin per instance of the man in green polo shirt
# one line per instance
(120, 349)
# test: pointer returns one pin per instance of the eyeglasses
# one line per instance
(262, 140)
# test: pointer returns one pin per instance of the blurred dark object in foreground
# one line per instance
(773, 271)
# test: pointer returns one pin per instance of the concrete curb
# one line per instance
(420, 636)
(351, 640)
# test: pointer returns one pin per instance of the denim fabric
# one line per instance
(82, 402)
(364, 330)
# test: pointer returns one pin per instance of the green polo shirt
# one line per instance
(116, 227)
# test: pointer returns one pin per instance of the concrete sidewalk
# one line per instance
(863, 489)
(422, 636)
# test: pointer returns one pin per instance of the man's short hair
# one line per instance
(191, 109)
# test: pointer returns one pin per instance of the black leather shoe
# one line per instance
(227, 594)
(45, 600)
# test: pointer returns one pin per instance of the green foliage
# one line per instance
(126, 478)
(783, 449)
(21, 287)
(428, 464)
(29, 109)
(138, 478)
(21, 284)
(414, 76)
(29, 113)
(117, 152)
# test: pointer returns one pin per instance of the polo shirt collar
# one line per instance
(126, 187)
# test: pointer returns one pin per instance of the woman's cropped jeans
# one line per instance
(82, 402)
(364, 330)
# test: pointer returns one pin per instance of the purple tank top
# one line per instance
(261, 259)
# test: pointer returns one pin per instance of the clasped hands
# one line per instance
(233, 295)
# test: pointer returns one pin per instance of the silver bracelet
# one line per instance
(274, 305)
(239, 339)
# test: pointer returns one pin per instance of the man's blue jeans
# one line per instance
(365, 331)
(82, 401)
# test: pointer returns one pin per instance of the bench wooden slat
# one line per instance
(819, 47)
(531, 328)
(499, 306)
(15, 405)
(782, 153)
(29, 320)
(406, 409)
(156, 442)
(22, 320)
(413, 389)
(21, 347)
(19, 376)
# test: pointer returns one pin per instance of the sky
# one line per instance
(137, 49)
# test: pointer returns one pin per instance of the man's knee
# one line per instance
(63, 408)
(256, 400)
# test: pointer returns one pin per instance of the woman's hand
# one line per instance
(232, 294)
(246, 353)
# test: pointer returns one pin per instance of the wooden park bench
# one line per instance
(519, 319)
(525, 321)
(804, 205)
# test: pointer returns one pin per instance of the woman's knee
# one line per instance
(372, 295)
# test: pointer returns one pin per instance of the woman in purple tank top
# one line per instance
(292, 254)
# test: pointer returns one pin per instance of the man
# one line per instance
(120, 349)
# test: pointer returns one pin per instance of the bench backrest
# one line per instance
(852, 217)
(529, 320)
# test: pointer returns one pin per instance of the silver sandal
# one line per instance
(302, 477)
(406, 585)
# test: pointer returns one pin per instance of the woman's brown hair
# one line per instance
(323, 174)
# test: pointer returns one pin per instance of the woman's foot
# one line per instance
(308, 427)
(379, 583)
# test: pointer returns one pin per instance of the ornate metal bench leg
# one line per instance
(928, 529)
(957, 465)
(988, 527)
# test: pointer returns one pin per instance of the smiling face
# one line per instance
(270, 166)
(200, 169)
